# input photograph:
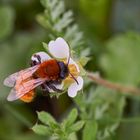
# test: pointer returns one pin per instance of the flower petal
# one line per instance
(72, 92)
(59, 48)
(73, 62)
(81, 82)
(74, 87)
(44, 56)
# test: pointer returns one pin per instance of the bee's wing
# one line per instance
(24, 87)
(10, 81)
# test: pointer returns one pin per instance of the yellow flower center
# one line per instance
(73, 70)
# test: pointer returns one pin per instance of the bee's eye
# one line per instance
(62, 75)
(63, 70)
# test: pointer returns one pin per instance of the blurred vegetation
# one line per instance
(105, 31)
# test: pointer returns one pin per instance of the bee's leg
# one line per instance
(52, 86)
(45, 89)
(57, 82)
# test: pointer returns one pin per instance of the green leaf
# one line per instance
(121, 61)
(59, 22)
(45, 45)
(46, 118)
(64, 21)
(42, 21)
(72, 136)
(59, 9)
(76, 127)
(82, 70)
(90, 130)
(72, 117)
(84, 60)
(6, 21)
(44, 3)
(41, 129)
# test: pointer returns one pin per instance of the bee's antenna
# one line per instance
(74, 78)
(69, 72)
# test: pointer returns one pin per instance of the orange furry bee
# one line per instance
(46, 74)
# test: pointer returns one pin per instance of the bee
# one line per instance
(46, 74)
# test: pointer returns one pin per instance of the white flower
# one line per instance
(74, 88)
(59, 49)
(44, 56)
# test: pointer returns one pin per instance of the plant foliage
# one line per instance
(58, 131)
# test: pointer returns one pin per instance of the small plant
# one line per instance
(98, 104)
(58, 131)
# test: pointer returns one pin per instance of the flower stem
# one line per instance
(115, 86)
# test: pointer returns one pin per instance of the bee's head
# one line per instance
(64, 71)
